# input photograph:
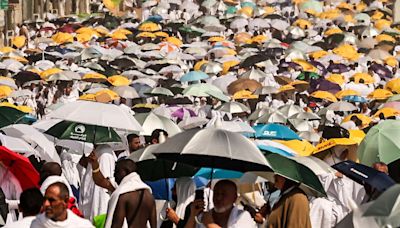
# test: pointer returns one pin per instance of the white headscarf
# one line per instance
(185, 189)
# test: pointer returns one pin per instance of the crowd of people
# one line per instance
(312, 82)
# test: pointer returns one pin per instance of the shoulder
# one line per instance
(297, 195)
(242, 218)
(84, 223)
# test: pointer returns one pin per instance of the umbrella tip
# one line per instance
(161, 138)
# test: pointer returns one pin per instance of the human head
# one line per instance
(381, 166)
(30, 202)
(155, 135)
(123, 168)
(225, 195)
(133, 142)
(50, 169)
(55, 202)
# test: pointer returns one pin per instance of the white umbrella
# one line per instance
(255, 74)
(266, 90)
(274, 117)
(223, 82)
(9, 83)
(290, 110)
(239, 23)
(234, 107)
(309, 136)
(342, 106)
(279, 24)
(151, 122)
(64, 76)
(258, 113)
(95, 113)
(213, 147)
(36, 139)
(318, 166)
(211, 68)
(305, 116)
(192, 122)
(21, 93)
(17, 145)
(301, 125)
(237, 126)
(126, 92)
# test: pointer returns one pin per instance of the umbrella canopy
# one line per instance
(214, 148)
(83, 132)
(274, 131)
(243, 84)
(21, 167)
(94, 113)
(364, 175)
(193, 76)
(212, 174)
(234, 107)
(342, 106)
(126, 92)
(9, 116)
(381, 143)
(151, 122)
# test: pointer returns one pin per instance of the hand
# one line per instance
(92, 159)
(83, 161)
(339, 174)
(196, 207)
(207, 218)
(172, 216)
(259, 218)
(265, 209)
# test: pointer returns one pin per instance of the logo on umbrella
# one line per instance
(80, 129)
(269, 133)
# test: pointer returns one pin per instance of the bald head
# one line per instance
(50, 169)
(225, 195)
(124, 168)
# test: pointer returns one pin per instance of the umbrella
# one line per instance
(193, 76)
(355, 99)
(192, 122)
(297, 172)
(306, 116)
(94, 113)
(275, 147)
(272, 117)
(324, 95)
(364, 175)
(342, 106)
(234, 107)
(301, 125)
(274, 131)
(200, 90)
(310, 136)
(18, 145)
(21, 167)
(151, 122)
(243, 84)
(10, 116)
(83, 132)
(182, 113)
(213, 148)
(212, 174)
(126, 92)
(290, 110)
(160, 91)
(381, 143)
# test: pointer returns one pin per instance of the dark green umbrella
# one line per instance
(151, 168)
(10, 116)
(291, 169)
(83, 132)
(307, 76)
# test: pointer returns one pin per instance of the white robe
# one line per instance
(72, 221)
(185, 189)
(23, 223)
(94, 199)
(129, 183)
(237, 219)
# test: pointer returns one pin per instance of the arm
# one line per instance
(153, 218)
(119, 214)
(97, 176)
(196, 207)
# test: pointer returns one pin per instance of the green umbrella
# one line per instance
(83, 132)
(10, 116)
(382, 143)
(295, 171)
(201, 90)
(311, 75)
(395, 97)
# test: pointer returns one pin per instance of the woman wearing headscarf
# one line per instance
(292, 209)
(184, 190)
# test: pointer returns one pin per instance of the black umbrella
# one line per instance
(26, 76)
(251, 60)
(123, 63)
(39, 56)
(329, 132)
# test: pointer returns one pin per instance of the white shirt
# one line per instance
(237, 219)
(23, 223)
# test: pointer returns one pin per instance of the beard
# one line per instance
(222, 209)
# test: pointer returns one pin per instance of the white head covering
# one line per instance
(185, 189)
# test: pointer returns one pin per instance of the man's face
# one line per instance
(134, 144)
(224, 197)
(53, 205)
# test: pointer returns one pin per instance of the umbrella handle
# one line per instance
(161, 216)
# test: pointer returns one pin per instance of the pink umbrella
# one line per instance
(393, 104)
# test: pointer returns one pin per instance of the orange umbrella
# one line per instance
(324, 95)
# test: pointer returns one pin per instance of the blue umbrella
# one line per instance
(355, 99)
(155, 18)
(275, 150)
(194, 76)
(159, 187)
(274, 131)
(248, 4)
(365, 175)
(210, 173)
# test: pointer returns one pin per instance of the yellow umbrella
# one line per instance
(6, 50)
(391, 61)
(147, 105)
(318, 54)
(393, 85)
(175, 41)
(123, 31)
(347, 92)
(363, 78)
(336, 78)
(325, 95)
(94, 77)
(20, 59)
(310, 11)
(364, 119)
(357, 135)
(62, 37)
(8, 104)
(24, 108)
(149, 27)
(111, 5)
(302, 147)
(242, 38)
(259, 39)
(113, 95)
(382, 24)
(349, 18)
(328, 144)
(88, 97)
(305, 65)
(268, 10)
(89, 31)
(244, 94)
(302, 23)
(377, 15)
(385, 37)
(330, 14)
(45, 74)
(286, 88)
(380, 94)
(226, 66)
(83, 37)
(19, 41)
(347, 51)
(5, 90)
(197, 66)
(332, 31)
(216, 39)
(300, 85)
(118, 36)
(247, 10)
(161, 34)
(102, 30)
(361, 6)
(146, 35)
(345, 5)
(387, 112)
(34, 70)
(118, 80)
